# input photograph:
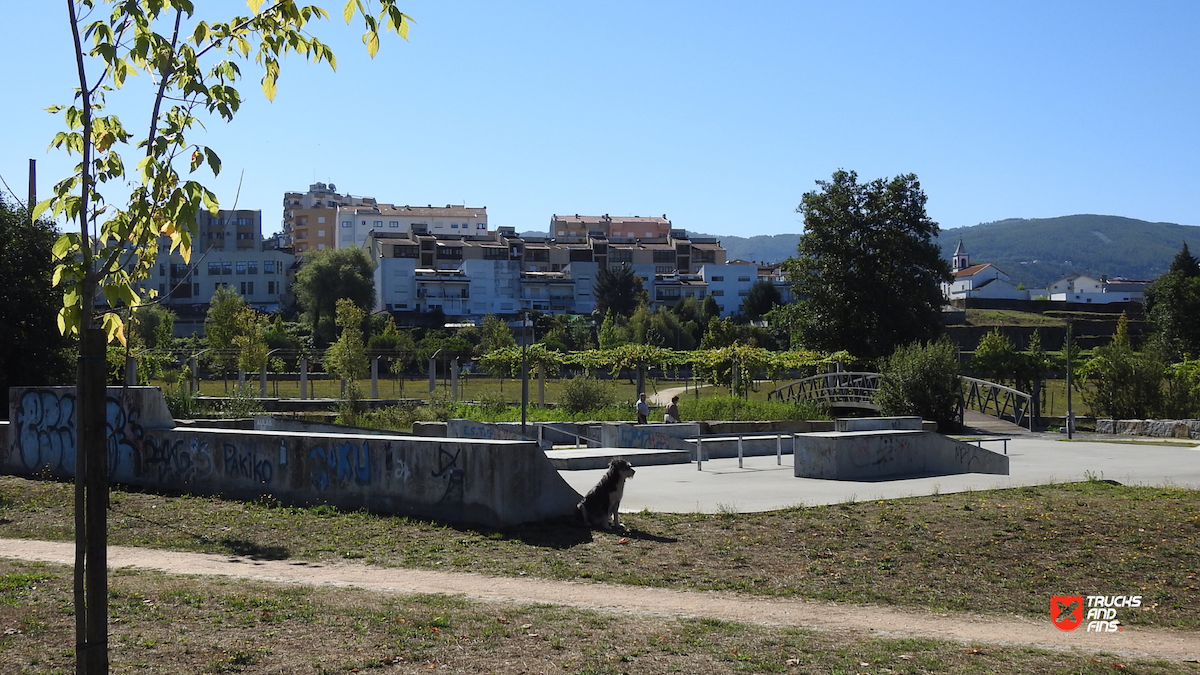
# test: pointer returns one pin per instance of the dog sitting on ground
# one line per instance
(599, 507)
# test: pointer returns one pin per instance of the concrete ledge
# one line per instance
(847, 424)
(598, 458)
(495, 483)
(865, 455)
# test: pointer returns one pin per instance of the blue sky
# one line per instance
(719, 115)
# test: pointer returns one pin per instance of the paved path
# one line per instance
(870, 620)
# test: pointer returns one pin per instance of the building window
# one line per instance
(393, 223)
(321, 219)
(717, 293)
(717, 279)
(252, 267)
(226, 268)
(195, 289)
(247, 288)
(214, 269)
(480, 226)
(320, 233)
(379, 224)
(744, 280)
(268, 267)
(271, 288)
(347, 223)
(241, 267)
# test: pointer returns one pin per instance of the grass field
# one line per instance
(1001, 551)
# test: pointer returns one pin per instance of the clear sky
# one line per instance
(720, 115)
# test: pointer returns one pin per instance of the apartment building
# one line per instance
(470, 275)
(252, 266)
(614, 227)
(310, 218)
(354, 222)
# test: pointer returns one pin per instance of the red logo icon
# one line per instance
(1066, 611)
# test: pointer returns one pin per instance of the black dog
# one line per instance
(599, 507)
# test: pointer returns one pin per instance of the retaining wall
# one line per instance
(494, 483)
(1156, 428)
(867, 455)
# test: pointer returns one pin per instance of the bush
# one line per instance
(584, 392)
(733, 408)
(922, 379)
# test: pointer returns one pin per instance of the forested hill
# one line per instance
(1040, 251)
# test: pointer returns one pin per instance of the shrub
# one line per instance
(921, 379)
(584, 392)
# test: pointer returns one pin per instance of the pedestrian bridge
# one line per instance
(847, 389)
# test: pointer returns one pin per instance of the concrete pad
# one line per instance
(763, 485)
(579, 459)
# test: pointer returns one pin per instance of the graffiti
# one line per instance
(246, 464)
(448, 466)
(176, 462)
(633, 437)
(342, 462)
(396, 468)
(479, 430)
(123, 433)
(46, 435)
(45, 431)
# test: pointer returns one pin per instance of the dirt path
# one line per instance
(1157, 643)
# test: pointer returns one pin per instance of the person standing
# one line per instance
(671, 414)
(643, 408)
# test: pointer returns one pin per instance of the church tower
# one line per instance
(961, 259)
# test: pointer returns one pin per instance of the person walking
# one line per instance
(671, 414)
(643, 408)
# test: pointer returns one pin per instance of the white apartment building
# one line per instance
(354, 223)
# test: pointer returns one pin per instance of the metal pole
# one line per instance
(699, 451)
(374, 377)
(1070, 410)
(454, 380)
(739, 451)
(303, 377)
(779, 450)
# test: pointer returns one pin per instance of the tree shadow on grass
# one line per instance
(254, 550)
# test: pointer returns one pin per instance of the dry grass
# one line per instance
(168, 624)
(997, 551)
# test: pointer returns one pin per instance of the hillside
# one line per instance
(1040, 251)
(1035, 252)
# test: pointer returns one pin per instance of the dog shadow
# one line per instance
(634, 533)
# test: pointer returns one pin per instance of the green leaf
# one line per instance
(349, 9)
(268, 86)
(371, 39)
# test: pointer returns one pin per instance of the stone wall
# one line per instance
(1157, 428)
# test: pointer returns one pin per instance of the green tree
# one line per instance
(347, 357)
(193, 67)
(224, 322)
(32, 349)
(1123, 383)
(495, 334)
(1173, 307)
(613, 333)
(152, 326)
(996, 357)
(760, 299)
(328, 276)
(921, 379)
(618, 291)
(661, 328)
(868, 271)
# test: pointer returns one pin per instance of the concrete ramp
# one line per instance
(866, 455)
(581, 459)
